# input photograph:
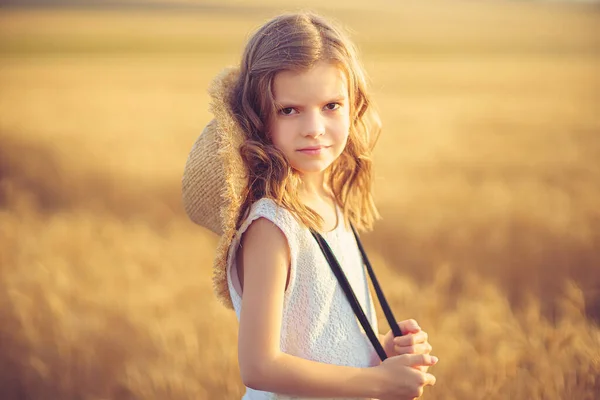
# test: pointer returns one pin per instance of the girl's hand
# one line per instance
(413, 341)
(402, 378)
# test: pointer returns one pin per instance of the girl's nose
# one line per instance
(314, 125)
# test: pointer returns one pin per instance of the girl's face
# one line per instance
(312, 120)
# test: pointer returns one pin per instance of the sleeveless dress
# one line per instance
(318, 323)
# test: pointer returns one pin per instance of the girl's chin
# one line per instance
(311, 171)
(311, 166)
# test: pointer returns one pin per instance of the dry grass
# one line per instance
(488, 175)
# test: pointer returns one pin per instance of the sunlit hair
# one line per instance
(296, 42)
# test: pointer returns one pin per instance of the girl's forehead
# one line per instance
(322, 82)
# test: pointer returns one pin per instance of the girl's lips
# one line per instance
(313, 150)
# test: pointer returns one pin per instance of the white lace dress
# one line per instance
(318, 323)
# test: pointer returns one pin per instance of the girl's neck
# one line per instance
(315, 194)
(313, 187)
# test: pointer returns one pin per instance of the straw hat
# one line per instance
(215, 176)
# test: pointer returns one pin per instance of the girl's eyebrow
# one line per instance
(333, 99)
(337, 99)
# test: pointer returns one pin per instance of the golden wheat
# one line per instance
(487, 178)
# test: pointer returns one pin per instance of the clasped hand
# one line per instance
(403, 375)
(413, 341)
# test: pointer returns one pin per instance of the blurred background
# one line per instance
(487, 178)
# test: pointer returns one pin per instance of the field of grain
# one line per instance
(488, 181)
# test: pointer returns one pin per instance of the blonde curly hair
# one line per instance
(297, 42)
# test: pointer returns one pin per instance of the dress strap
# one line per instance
(356, 307)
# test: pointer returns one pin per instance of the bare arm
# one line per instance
(296, 376)
(265, 261)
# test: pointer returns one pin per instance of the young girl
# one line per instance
(288, 154)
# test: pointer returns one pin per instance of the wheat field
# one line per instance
(487, 178)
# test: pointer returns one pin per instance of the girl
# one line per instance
(289, 154)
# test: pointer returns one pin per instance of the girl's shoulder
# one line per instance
(280, 217)
(269, 209)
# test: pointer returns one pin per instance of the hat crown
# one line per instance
(203, 181)
(214, 177)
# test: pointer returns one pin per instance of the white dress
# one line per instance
(318, 322)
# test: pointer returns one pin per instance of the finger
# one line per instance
(429, 380)
(414, 360)
(423, 348)
(409, 326)
(411, 339)
(418, 392)
(422, 368)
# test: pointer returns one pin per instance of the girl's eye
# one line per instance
(287, 111)
(332, 106)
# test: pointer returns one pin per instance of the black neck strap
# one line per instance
(356, 307)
